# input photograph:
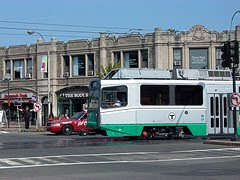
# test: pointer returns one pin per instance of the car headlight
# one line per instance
(57, 124)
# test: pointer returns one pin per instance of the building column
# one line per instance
(139, 59)
(12, 69)
(186, 59)
(212, 57)
(121, 59)
(86, 64)
(53, 75)
(71, 66)
(103, 52)
(157, 41)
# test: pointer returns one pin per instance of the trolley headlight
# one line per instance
(56, 124)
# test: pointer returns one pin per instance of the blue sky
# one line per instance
(144, 14)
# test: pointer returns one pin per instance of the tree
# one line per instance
(105, 70)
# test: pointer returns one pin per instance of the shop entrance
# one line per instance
(71, 100)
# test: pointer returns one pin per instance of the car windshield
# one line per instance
(77, 115)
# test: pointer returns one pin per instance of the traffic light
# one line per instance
(230, 54)
(225, 55)
(234, 51)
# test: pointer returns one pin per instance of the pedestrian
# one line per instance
(26, 115)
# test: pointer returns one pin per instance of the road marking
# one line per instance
(118, 162)
(205, 150)
(10, 162)
(50, 160)
(84, 155)
(30, 161)
(4, 132)
(115, 158)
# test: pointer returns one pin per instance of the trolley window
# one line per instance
(113, 97)
(154, 95)
(189, 95)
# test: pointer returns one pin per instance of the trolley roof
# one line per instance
(186, 74)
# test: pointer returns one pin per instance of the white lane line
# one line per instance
(10, 162)
(86, 155)
(119, 162)
(206, 150)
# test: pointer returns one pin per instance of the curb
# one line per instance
(222, 142)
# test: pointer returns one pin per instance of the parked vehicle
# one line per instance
(76, 123)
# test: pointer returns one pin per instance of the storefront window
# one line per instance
(199, 58)
(79, 65)
(219, 58)
(18, 69)
(131, 59)
(144, 55)
(177, 58)
(90, 64)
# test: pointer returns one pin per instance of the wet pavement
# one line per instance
(73, 141)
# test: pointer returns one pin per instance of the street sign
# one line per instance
(37, 107)
(235, 99)
(34, 99)
(17, 101)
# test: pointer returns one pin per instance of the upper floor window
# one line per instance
(18, 69)
(177, 58)
(198, 58)
(144, 63)
(131, 59)
(219, 58)
(79, 65)
(8, 67)
(66, 64)
(29, 68)
(117, 57)
(90, 64)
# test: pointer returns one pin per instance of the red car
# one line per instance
(77, 123)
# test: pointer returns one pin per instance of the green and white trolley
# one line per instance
(154, 102)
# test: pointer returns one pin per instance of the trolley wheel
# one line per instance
(67, 130)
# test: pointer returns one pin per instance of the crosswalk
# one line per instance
(114, 158)
(3, 132)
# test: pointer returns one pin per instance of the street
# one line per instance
(47, 156)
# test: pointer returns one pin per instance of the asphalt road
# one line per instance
(46, 156)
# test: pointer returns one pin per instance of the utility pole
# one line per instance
(230, 58)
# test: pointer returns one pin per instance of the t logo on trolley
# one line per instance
(171, 116)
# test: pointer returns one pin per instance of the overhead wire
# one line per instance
(74, 25)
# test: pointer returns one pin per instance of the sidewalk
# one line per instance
(14, 128)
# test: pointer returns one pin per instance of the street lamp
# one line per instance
(48, 67)
(8, 78)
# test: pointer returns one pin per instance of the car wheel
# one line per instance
(67, 130)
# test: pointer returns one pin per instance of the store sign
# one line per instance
(21, 95)
(198, 58)
(73, 95)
